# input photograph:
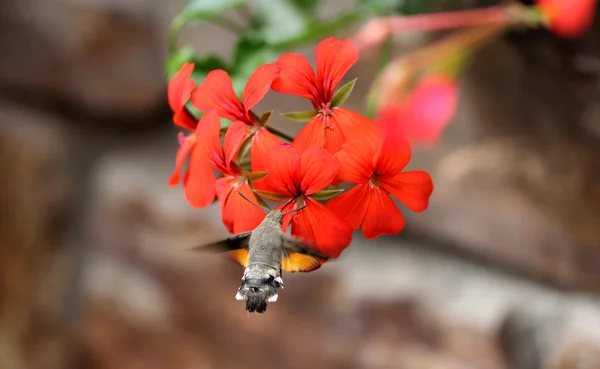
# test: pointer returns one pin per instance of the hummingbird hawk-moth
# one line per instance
(265, 253)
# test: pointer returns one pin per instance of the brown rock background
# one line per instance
(90, 270)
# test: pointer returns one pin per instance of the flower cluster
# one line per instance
(336, 145)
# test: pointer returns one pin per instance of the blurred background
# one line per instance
(502, 271)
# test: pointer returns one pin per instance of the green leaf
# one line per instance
(271, 195)
(264, 119)
(326, 194)
(414, 7)
(248, 44)
(206, 9)
(256, 176)
(307, 7)
(301, 116)
(342, 94)
(280, 20)
(250, 52)
(177, 60)
(379, 7)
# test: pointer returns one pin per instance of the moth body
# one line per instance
(265, 253)
(262, 276)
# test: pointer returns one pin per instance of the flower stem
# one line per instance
(470, 39)
(377, 30)
(282, 135)
(447, 20)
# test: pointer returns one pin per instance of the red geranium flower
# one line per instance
(568, 18)
(424, 115)
(331, 125)
(178, 92)
(198, 179)
(200, 184)
(237, 213)
(216, 92)
(298, 177)
(375, 166)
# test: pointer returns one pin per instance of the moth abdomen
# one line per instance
(257, 292)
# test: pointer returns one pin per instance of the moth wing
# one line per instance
(235, 247)
(239, 256)
(239, 241)
(298, 256)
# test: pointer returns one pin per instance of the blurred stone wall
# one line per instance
(91, 276)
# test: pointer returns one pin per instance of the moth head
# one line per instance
(275, 216)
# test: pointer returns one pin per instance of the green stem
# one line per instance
(229, 25)
(277, 132)
(318, 31)
(176, 25)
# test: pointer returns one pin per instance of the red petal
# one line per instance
(242, 215)
(412, 188)
(216, 92)
(321, 226)
(391, 158)
(207, 138)
(355, 160)
(287, 219)
(356, 126)
(296, 77)
(426, 113)
(259, 84)
(263, 145)
(236, 135)
(312, 135)
(283, 169)
(331, 131)
(199, 180)
(351, 205)
(182, 154)
(184, 119)
(317, 169)
(334, 59)
(568, 18)
(180, 87)
(432, 106)
(224, 187)
(395, 122)
(382, 216)
(334, 134)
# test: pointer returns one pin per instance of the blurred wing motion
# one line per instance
(236, 248)
(298, 256)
